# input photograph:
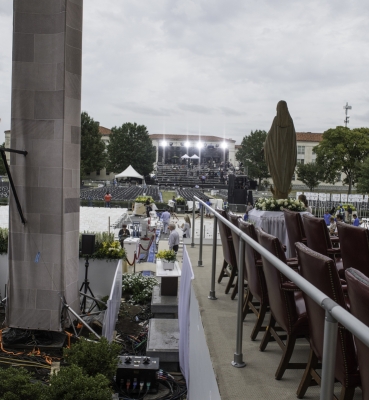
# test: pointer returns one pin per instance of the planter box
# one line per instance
(168, 266)
(100, 274)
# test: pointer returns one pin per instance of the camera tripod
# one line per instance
(85, 287)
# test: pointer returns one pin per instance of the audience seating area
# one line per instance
(120, 193)
(294, 316)
(188, 193)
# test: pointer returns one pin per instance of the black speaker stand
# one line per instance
(85, 287)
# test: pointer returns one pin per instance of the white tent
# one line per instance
(185, 156)
(129, 172)
(195, 157)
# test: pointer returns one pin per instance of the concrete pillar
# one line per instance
(46, 108)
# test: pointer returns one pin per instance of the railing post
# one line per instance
(238, 357)
(214, 260)
(329, 351)
(199, 264)
(193, 224)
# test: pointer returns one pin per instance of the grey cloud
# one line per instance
(146, 110)
(230, 112)
(195, 108)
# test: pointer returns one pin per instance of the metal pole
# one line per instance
(238, 357)
(199, 264)
(193, 224)
(329, 356)
(214, 260)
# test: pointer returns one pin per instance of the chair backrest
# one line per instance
(236, 239)
(354, 245)
(227, 242)
(317, 234)
(255, 273)
(321, 272)
(294, 226)
(282, 303)
(358, 291)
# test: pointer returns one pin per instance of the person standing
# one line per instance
(173, 240)
(249, 207)
(327, 217)
(148, 208)
(349, 214)
(107, 199)
(356, 220)
(165, 218)
(186, 227)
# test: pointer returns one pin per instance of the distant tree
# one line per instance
(93, 154)
(310, 174)
(342, 150)
(2, 166)
(130, 144)
(363, 177)
(252, 156)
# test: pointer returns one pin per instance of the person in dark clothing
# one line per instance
(123, 234)
(148, 208)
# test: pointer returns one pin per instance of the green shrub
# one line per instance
(139, 286)
(16, 384)
(71, 384)
(94, 357)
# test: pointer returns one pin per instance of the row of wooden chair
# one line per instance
(291, 311)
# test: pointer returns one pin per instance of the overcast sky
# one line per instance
(216, 67)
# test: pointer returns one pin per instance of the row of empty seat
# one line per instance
(293, 313)
(120, 193)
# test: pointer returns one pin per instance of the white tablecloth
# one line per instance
(272, 222)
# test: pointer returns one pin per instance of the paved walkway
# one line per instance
(256, 380)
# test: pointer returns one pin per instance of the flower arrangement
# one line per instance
(139, 287)
(180, 201)
(270, 204)
(110, 250)
(143, 199)
(167, 255)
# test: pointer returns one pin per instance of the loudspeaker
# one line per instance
(88, 244)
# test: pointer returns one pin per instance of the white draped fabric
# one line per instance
(272, 222)
(184, 314)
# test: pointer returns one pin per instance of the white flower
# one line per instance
(286, 203)
(272, 205)
(289, 207)
(281, 208)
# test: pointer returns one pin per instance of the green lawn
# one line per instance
(167, 196)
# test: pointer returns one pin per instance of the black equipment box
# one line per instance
(135, 369)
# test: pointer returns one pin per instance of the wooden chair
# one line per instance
(321, 272)
(256, 287)
(228, 253)
(318, 240)
(358, 290)
(354, 247)
(295, 228)
(286, 304)
(236, 243)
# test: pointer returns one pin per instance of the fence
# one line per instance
(333, 312)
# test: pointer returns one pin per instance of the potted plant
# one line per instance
(168, 257)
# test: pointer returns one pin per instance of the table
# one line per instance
(272, 222)
(169, 279)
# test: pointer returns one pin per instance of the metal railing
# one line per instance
(333, 312)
